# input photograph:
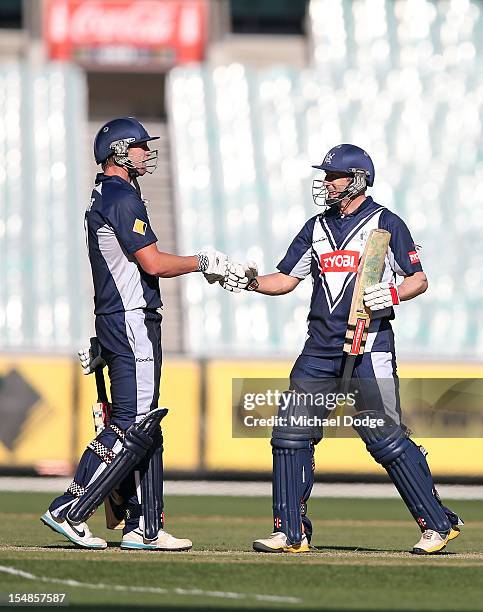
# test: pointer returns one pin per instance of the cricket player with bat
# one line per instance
(124, 460)
(353, 250)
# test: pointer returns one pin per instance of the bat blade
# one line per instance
(114, 506)
(369, 273)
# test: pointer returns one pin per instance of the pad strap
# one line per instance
(103, 452)
(118, 431)
(76, 489)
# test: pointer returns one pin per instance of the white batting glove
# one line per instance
(235, 279)
(213, 264)
(240, 277)
(89, 362)
(380, 296)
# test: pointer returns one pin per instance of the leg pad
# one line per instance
(138, 440)
(407, 467)
(152, 490)
(292, 483)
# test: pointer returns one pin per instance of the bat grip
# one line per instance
(347, 372)
(100, 385)
(100, 382)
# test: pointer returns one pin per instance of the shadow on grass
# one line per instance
(67, 546)
(354, 549)
(376, 550)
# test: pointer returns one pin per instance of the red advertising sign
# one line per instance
(126, 31)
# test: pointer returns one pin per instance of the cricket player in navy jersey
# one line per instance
(126, 266)
(328, 248)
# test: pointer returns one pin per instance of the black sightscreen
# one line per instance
(10, 13)
(268, 16)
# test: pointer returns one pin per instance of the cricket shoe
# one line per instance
(80, 534)
(277, 543)
(454, 532)
(456, 523)
(165, 541)
(432, 542)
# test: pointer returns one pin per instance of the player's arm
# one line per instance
(211, 262)
(276, 284)
(412, 286)
(130, 222)
(165, 265)
(293, 268)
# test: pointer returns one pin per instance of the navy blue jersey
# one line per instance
(329, 247)
(117, 225)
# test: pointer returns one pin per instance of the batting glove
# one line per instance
(241, 277)
(380, 296)
(251, 272)
(89, 362)
(213, 264)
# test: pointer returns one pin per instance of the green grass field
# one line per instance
(358, 563)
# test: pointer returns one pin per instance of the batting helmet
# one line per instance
(117, 135)
(348, 158)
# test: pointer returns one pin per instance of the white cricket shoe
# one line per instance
(277, 543)
(431, 542)
(165, 541)
(80, 534)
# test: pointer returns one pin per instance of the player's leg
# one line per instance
(112, 455)
(293, 459)
(143, 489)
(404, 461)
(69, 517)
(137, 398)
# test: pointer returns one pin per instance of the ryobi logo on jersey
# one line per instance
(340, 261)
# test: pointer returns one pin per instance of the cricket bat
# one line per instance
(369, 273)
(101, 412)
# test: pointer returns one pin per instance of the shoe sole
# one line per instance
(431, 551)
(46, 520)
(296, 550)
(421, 551)
(139, 546)
(259, 547)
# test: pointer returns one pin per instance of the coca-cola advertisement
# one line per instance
(166, 32)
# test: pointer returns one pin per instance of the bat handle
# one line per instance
(100, 382)
(346, 377)
(101, 385)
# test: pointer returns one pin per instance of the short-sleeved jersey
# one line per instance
(117, 225)
(330, 247)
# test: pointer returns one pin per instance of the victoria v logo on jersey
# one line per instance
(337, 269)
(338, 263)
